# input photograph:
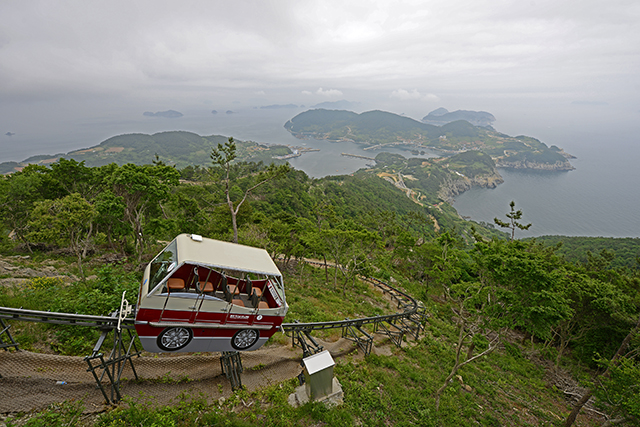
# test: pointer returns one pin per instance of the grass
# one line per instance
(311, 299)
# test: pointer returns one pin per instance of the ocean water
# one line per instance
(600, 198)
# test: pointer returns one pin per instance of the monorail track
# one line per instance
(409, 320)
(56, 318)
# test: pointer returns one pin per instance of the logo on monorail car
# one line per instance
(274, 294)
(239, 317)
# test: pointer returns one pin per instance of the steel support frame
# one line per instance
(114, 365)
(362, 339)
(414, 324)
(8, 340)
(303, 339)
(231, 365)
(393, 331)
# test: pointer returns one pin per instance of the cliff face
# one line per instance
(557, 166)
(453, 187)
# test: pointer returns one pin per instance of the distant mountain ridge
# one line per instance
(370, 127)
(343, 104)
(442, 116)
(381, 128)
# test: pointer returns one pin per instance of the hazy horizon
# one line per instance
(71, 70)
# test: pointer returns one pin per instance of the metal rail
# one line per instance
(405, 302)
(56, 318)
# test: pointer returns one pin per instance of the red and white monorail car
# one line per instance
(202, 294)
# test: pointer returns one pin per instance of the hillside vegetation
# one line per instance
(515, 334)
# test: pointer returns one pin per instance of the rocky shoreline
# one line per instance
(454, 187)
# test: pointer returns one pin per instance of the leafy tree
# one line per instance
(111, 219)
(594, 304)
(470, 308)
(335, 243)
(18, 193)
(448, 260)
(142, 189)
(528, 280)
(620, 391)
(286, 235)
(513, 223)
(611, 367)
(223, 156)
(75, 177)
(363, 244)
(348, 246)
(65, 221)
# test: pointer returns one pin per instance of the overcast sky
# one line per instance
(96, 59)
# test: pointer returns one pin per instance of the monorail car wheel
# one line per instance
(173, 339)
(244, 338)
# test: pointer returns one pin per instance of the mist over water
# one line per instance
(600, 198)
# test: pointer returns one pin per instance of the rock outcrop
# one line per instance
(453, 187)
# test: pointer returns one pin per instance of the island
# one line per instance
(169, 114)
(177, 148)
(379, 128)
(429, 182)
(442, 116)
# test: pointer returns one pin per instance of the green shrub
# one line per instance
(65, 414)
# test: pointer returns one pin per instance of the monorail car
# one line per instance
(201, 294)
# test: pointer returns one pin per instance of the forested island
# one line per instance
(380, 128)
(176, 148)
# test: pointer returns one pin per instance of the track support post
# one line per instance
(302, 338)
(231, 365)
(8, 340)
(123, 350)
(355, 333)
(394, 332)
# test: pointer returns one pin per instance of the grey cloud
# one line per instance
(198, 50)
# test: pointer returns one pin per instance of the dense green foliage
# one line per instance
(370, 127)
(472, 164)
(623, 252)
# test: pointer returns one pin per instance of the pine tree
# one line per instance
(513, 223)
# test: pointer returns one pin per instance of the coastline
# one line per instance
(451, 188)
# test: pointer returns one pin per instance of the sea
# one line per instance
(601, 197)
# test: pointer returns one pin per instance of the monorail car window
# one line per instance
(162, 265)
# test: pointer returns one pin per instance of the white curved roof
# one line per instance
(232, 256)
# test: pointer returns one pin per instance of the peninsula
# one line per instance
(380, 128)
